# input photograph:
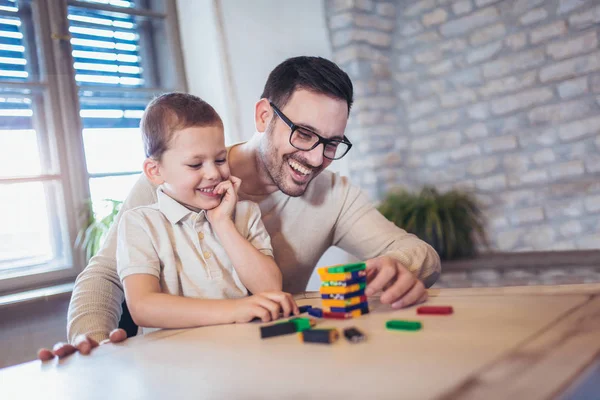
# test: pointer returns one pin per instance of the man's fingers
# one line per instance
(402, 285)
(63, 349)
(84, 344)
(117, 336)
(411, 297)
(45, 355)
(385, 274)
(423, 297)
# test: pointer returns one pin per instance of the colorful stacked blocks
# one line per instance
(343, 290)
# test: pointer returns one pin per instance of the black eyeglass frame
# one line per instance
(323, 140)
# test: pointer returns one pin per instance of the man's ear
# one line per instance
(263, 113)
(152, 171)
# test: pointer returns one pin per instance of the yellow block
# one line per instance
(344, 303)
(341, 289)
(343, 276)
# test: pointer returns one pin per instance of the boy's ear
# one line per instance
(263, 113)
(152, 171)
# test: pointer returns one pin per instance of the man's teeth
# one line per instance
(298, 167)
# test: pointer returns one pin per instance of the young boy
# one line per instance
(191, 258)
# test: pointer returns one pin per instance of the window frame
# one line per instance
(60, 120)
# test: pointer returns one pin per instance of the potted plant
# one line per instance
(452, 222)
(92, 236)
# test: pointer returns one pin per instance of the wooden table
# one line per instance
(501, 343)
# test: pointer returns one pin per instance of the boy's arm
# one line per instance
(95, 306)
(251, 256)
(152, 309)
(138, 265)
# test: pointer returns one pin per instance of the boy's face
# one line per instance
(195, 162)
(290, 169)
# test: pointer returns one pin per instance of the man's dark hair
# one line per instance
(315, 74)
(172, 112)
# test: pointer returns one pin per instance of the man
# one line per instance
(300, 122)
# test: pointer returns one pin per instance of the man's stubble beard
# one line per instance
(274, 166)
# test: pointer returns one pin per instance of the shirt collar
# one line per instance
(172, 209)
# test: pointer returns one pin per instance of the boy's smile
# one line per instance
(193, 165)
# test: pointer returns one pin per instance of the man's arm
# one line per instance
(95, 307)
(364, 232)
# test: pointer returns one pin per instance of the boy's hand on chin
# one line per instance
(228, 190)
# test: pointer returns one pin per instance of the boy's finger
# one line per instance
(225, 187)
(262, 313)
(272, 306)
(237, 182)
(294, 305)
(286, 306)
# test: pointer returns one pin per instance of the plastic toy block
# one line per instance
(327, 336)
(343, 283)
(342, 290)
(397, 324)
(354, 335)
(336, 269)
(315, 312)
(303, 324)
(360, 306)
(346, 315)
(342, 296)
(344, 303)
(437, 310)
(282, 328)
(343, 276)
(304, 309)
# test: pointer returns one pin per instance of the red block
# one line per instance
(438, 310)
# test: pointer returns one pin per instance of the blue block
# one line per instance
(315, 312)
(360, 306)
(304, 309)
(331, 296)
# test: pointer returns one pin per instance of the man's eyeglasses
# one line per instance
(306, 140)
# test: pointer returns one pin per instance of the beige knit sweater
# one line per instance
(332, 212)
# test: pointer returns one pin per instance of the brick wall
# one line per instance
(497, 96)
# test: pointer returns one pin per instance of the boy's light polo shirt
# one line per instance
(179, 247)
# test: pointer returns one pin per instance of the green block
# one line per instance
(397, 324)
(347, 268)
(302, 324)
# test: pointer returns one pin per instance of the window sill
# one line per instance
(30, 296)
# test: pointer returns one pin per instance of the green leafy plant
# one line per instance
(452, 222)
(91, 237)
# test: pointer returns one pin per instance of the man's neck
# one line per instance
(245, 163)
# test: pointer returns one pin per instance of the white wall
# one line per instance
(261, 34)
(229, 48)
(202, 55)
